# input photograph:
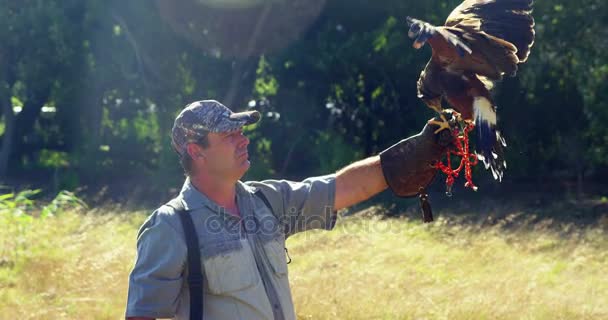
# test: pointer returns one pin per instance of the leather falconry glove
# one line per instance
(408, 165)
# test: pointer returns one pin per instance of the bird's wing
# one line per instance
(427, 89)
(454, 40)
(487, 83)
(487, 56)
(509, 20)
(435, 80)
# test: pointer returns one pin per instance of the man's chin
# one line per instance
(246, 163)
(244, 167)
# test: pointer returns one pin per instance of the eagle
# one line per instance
(480, 42)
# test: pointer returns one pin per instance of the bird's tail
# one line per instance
(490, 143)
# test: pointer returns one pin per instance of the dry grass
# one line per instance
(398, 269)
(75, 266)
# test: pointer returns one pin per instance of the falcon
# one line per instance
(480, 42)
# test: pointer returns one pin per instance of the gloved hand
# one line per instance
(408, 165)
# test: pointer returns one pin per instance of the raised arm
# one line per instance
(405, 167)
(358, 182)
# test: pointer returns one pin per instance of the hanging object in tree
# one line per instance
(240, 29)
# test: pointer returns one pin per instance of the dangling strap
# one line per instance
(261, 195)
(195, 275)
(425, 205)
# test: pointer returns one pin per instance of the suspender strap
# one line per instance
(195, 275)
(258, 193)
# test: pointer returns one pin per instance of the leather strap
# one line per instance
(195, 275)
(261, 195)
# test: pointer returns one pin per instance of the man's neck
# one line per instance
(221, 192)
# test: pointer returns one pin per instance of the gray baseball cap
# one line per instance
(201, 117)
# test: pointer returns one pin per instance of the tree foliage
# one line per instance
(98, 83)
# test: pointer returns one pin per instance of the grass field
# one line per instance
(75, 266)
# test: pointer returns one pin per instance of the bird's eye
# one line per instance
(415, 28)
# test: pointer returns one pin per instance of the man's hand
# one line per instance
(409, 165)
(405, 168)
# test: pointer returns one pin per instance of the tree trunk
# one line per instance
(94, 116)
(24, 122)
(9, 131)
(243, 68)
(580, 174)
(235, 84)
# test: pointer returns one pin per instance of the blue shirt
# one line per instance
(246, 274)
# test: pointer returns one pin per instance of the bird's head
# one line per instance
(419, 30)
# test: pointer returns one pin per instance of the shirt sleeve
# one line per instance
(157, 276)
(304, 205)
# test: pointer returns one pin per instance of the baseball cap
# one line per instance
(201, 117)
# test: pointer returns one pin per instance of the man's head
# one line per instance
(209, 139)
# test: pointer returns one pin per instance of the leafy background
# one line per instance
(89, 89)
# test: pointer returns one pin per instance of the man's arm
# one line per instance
(358, 182)
(157, 277)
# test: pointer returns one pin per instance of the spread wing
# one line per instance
(497, 33)
(509, 20)
(490, 56)
(481, 41)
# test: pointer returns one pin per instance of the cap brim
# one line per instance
(237, 120)
(247, 117)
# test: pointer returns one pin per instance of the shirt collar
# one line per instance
(194, 199)
(244, 190)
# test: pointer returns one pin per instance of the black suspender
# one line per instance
(258, 193)
(195, 275)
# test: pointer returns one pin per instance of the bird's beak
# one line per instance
(423, 36)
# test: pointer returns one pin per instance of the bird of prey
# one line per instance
(480, 42)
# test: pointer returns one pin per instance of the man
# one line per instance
(245, 272)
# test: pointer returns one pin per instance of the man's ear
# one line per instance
(195, 151)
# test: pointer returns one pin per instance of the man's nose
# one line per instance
(244, 141)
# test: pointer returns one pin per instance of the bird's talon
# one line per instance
(443, 124)
(456, 115)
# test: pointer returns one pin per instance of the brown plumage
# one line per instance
(481, 41)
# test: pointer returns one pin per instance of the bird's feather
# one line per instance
(510, 20)
(485, 55)
(487, 83)
(481, 41)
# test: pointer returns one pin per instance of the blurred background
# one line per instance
(89, 90)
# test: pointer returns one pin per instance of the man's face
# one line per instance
(227, 156)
